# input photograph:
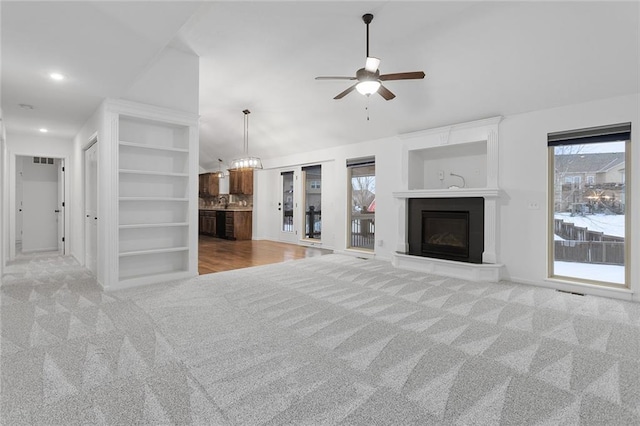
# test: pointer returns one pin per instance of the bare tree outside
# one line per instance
(362, 193)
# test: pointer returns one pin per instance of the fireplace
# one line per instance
(447, 228)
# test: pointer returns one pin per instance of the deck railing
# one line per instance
(363, 230)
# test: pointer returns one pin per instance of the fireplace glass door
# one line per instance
(445, 233)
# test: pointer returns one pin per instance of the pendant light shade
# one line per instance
(220, 172)
(246, 162)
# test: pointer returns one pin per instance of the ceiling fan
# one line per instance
(369, 80)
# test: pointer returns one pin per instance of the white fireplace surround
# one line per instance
(429, 157)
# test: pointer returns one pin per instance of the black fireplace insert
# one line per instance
(447, 228)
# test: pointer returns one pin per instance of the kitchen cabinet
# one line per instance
(238, 225)
(209, 184)
(241, 182)
(207, 222)
(228, 224)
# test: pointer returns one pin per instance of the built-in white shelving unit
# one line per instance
(156, 193)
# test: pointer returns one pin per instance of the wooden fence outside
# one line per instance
(585, 246)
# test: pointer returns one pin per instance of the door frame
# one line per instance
(13, 159)
(93, 140)
(289, 237)
(62, 206)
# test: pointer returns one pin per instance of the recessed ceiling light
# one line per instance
(43, 130)
(56, 76)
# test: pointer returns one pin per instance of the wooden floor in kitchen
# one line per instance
(217, 255)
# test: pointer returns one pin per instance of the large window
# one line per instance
(312, 201)
(362, 203)
(589, 225)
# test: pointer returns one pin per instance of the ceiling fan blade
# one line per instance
(372, 64)
(415, 75)
(345, 92)
(385, 93)
(335, 78)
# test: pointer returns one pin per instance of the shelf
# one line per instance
(152, 173)
(151, 199)
(153, 225)
(142, 279)
(153, 251)
(158, 148)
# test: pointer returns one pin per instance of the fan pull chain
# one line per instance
(366, 108)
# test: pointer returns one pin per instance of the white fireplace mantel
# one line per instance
(418, 148)
(449, 193)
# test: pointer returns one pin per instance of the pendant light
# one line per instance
(220, 172)
(246, 162)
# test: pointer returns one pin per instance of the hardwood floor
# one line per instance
(216, 255)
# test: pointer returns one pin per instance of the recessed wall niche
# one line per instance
(461, 165)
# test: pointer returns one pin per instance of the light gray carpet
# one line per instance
(326, 340)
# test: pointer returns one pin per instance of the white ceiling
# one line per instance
(481, 59)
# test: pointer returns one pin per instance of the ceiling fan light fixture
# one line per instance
(368, 87)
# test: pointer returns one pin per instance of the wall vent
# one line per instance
(42, 160)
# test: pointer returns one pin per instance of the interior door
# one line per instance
(19, 204)
(287, 205)
(91, 208)
(60, 209)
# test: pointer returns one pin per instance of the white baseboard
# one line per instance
(590, 289)
(39, 250)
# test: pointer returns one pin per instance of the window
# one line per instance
(312, 176)
(287, 202)
(362, 203)
(589, 231)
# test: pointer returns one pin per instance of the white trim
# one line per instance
(491, 272)
(493, 121)
(448, 193)
(12, 198)
(590, 289)
(150, 112)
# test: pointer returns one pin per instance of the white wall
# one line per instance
(40, 200)
(334, 192)
(171, 81)
(4, 198)
(92, 128)
(522, 233)
(523, 177)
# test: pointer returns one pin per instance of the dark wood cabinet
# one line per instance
(238, 225)
(241, 182)
(207, 222)
(209, 184)
(229, 224)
